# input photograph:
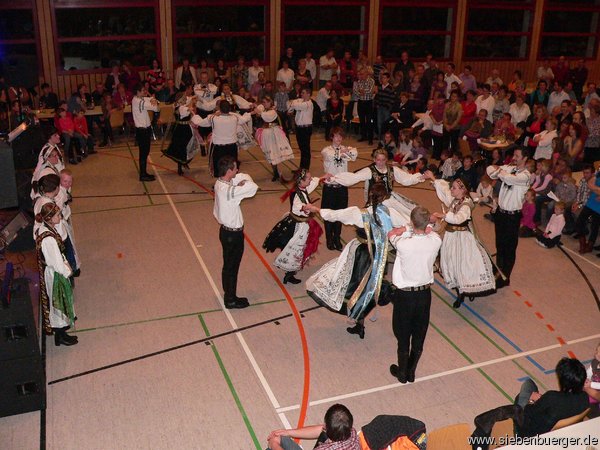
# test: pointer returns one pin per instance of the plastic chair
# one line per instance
(502, 429)
(570, 420)
(453, 437)
(465, 148)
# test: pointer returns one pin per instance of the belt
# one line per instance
(304, 126)
(270, 125)
(416, 289)
(452, 228)
(143, 128)
(299, 218)
(232, 229)
(510, 213)
(334, 186)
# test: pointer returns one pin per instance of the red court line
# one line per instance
(288, 297)
(571, 354)
(550, 327)
(561, 341)
(528, 304)
(517, 293)
(539, 315)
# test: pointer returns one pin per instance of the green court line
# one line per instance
(465, 356)
(234, 394)
(138, 170)
(177, 316)
(488, 338)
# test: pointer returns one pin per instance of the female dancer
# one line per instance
(465, 264)
(357, 274)
(56, 293)
(184, 142)
(271, 137)
(297, 234)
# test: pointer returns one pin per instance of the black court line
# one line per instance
(592, 289)
(177, 347)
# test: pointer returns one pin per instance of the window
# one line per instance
(220, 30)
(570, 29)
(498, 29)
(96, 35)
(318, 26)
(419, 30)
(18, 43)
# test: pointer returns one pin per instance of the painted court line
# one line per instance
(579, 256)
(438, 375)
(247, 351)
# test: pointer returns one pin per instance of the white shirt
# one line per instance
(228, 196)
(325, 74)
(364, 174)
(224, 126)
(304, 111)
(487, 104)
(353, 216)
(555, 225)
(514, 186)
(415, 256)
(544, 147)
(425, 120)
(449, 79)
(253, 75)
(519, 114)
(556, 99)
(287, 76)
(205, 93)
(37, 208)
(322, 97)
(297, 203)
(139, 108)
(311, 66)
(335, 162)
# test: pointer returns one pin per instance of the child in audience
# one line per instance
(468, 172)
(485, 190)
(389, 144)
(67, 129)
(551, 236)
(527, 228)
(418, 149)
(405, 143)
(81, 128)
(451, 166)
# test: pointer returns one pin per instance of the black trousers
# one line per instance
(334, 198)
(365, 115)
(303, 135)
(143, 136)
(582, 220)
(507, 239)
(218, 151)
(450, 139)
(438, 145)
(233, 249)
(410, 319)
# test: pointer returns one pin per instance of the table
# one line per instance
(491, 145)
(47, 114)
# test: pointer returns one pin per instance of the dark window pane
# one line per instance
(416, 18)
(571, 21)
(497, 47)
(502, 2)
(306, 18)
(95, 54)
(418, 46)
(319, 44)
(205, 19)
(19, 64)
(577, 46)
(503, 20)
(574, 2)
(76, 22)
(227, 48)
(16, 24)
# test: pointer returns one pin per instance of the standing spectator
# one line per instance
(501, 104)
(486, 101)
(334, 111)
(113, 79)
(384, 100)
(561, 71)
(517, 83)
(431, 71)
(590, 94)
(347, 70)
(140, 105)
(131, 77)
(222, 72)
(253, 71)
(544, 72)
(311, 65)
(519, 111)
(450, 77)
(452, 115)
(544, 140)
(185, 75)
(327, 66)
(322, 97)
(583, 193)
(303, 75)
(168, 92)
(378, 68)
(467, 80)
(286, 75)
(304, 117)
(591, 211)
(258, 85)
(404, 65)
(557, 97)
(592, 144)
(239, 74)
(289, 58)
(438, 86)
(364, 91)
(155, 76)
(495, 78)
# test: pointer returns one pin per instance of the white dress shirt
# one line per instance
(228, 196)
(415, 256)
(311, 66)
(325, 74)
(544, 147)
(224, 126)
(322, 97)
(139, 108)
(287, 76)
(205, 93)
(487, 104)
(364, 174)
(556, 99)
(519, 114)
(253, 75)
(334, 161)
(304, 111)
(515, 184)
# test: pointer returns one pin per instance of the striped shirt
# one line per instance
(363, 89)
(385, 97)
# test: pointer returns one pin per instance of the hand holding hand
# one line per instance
(428, 175)
(396, 232)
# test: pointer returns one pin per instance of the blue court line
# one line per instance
(549, 371)
(493, 328)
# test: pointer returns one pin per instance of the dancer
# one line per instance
(140, 105)
(230, 189)
(304, 123)
(416, 251)
(297, 234)
(465, 264)
(50, 160)
(357, 274)
(184, 143)
(205, 92)
(335, 195)
(271, 137)
(56, 294)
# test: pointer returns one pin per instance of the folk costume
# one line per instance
(185, 140)
(297, 234)
(464, 262)
(272, 139)
(45, 167)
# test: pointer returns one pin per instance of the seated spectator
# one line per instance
(80, 99)
(81, 128)
(404, 149)
(156, 77)
(467, 172)
(168, 93)
(450, 166)
(592, 93)
(114, 78)
(258, 85)
(122, 97)
(565, 114)
(557, 96)
(541, 185)
(494, 78)
(478, 128)
(486, 101)
(527, 226)
(505, 128)
(501, 105)
(336, 433)
(551, 236)
(98, 93)
(48, 99)
(131, 77)
(519, 111)
(540, 96)
(541, 412)
(583, 193)
(592, 384)
(389, 144)
(517, 83)
(566, 192)
(66, 126)
(485, 191)
(544, 140)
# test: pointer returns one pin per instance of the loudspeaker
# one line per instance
(22, 375)
(17, 223)
(8, 181)
(27, 146)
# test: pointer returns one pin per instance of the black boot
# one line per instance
(62, 338)
(400, 370)
(359, 329)
(413, 360)
(290, 278)
(460, 298)
(275, 174)
(179, 169)
(203, 150)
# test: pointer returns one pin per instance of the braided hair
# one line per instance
(377, 194)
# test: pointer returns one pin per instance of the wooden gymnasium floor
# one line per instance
(161, 364)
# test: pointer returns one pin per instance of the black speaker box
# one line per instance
(22, 386)
(27, 146)
(8, 182)
(18, 333)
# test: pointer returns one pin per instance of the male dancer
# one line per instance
(230, 189)
(304, 122)
(515, 183)
(140, 105)
(416, 251)
(205, 92)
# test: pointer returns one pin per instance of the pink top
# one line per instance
(528, 212)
